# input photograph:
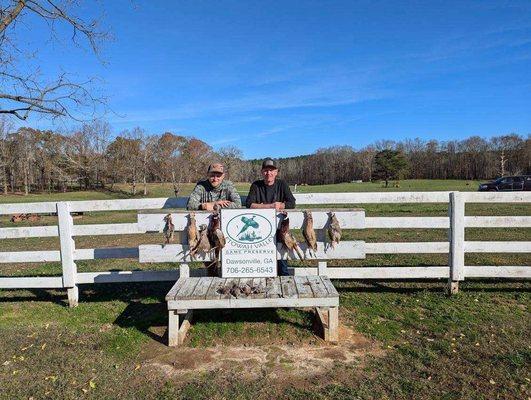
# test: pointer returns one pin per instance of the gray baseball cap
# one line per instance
(269, 163)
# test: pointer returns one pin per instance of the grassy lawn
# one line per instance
(399, 340)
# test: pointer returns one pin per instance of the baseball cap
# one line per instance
(216, 167)
(269, 163)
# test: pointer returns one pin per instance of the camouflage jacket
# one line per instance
(204, 192)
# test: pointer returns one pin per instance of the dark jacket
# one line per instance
(260, 193)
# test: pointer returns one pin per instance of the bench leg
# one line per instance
(329, 323)
(173, 328)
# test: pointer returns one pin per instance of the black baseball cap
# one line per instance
(269, 163)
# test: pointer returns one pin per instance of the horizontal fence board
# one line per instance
(489, 271)
(109, 252)
(126, 276)
(498, 222)
(128, 204)
(497, 247)
(388, 272)
(407, 248)
(407, 222)
(107, 229)
(28, 231)
(29, 256)
(497, 197)
(34, 282)
(180, 253)
(24, 208)
(354, 219)
(371, 197)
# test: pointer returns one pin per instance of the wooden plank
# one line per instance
(107, 229)
(348, 219)
(31, 282)
(288, 287)
(371, 197)
(23, 208)
(29, 231)
(329, 286)
(185, 326)
(505, 271)
(273, 289)
(333, 325)
(174, 289)
(187, 288)
(106, 253)
(29, 256)
(318, 289)
(407, 222)
(67, 244)
(212, 293)
(173, 328)
(497, 197)
(389, 272)
(168, 253)
(497, 247)
(498, 222)
(202, 287)
(243, 302)
(407, 248)
(303, 286)
(128, 204)
(354, 249)
(126, 276)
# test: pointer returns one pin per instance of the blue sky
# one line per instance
(285, 78)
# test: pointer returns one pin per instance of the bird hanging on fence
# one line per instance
(191, 231)
(286, 238)
(309, 233)
(169, 228)
(215, 235)
(203, 244)
(334, 230)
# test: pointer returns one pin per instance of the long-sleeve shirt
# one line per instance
(204, 192)
(260, 193)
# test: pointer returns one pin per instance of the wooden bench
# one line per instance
(190, 293)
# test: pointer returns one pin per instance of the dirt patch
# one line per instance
(284, 362)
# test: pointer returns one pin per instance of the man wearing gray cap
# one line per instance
(271, 192)
(214, 191)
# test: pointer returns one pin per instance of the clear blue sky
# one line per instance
(285, 78)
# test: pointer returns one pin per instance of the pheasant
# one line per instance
(309, 233)
(286, 238)
(334, 230)
(216, 237)
(203, 244)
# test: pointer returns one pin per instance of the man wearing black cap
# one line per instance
(271, 192)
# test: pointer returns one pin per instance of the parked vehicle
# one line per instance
(507, 183)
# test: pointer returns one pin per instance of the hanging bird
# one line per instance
(334, 230)
(169, 228)
(309, 233)
(286, 238)
(203, 244)
(191, 231)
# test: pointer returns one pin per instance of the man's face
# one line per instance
(215, 178)
(269, 175)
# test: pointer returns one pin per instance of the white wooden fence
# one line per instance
(456, 246)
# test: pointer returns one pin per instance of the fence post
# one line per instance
(321, 268)
(456, 212)
(66, 224)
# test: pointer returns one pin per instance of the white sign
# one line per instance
(250, 250)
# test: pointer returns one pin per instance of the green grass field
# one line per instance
(399, 340)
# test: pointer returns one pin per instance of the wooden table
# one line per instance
(287, 291)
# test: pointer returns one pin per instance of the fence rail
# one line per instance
(455, 247)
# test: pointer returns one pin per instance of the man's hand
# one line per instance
(278, 205)
(207, 206)
(223, 203)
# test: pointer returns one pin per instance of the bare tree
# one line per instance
(23, 89)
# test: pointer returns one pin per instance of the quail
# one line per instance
(286, 238)
(309, 233)
(334, 230)
(191, 231)
(169, 228)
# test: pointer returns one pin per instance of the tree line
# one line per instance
(91, 158)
